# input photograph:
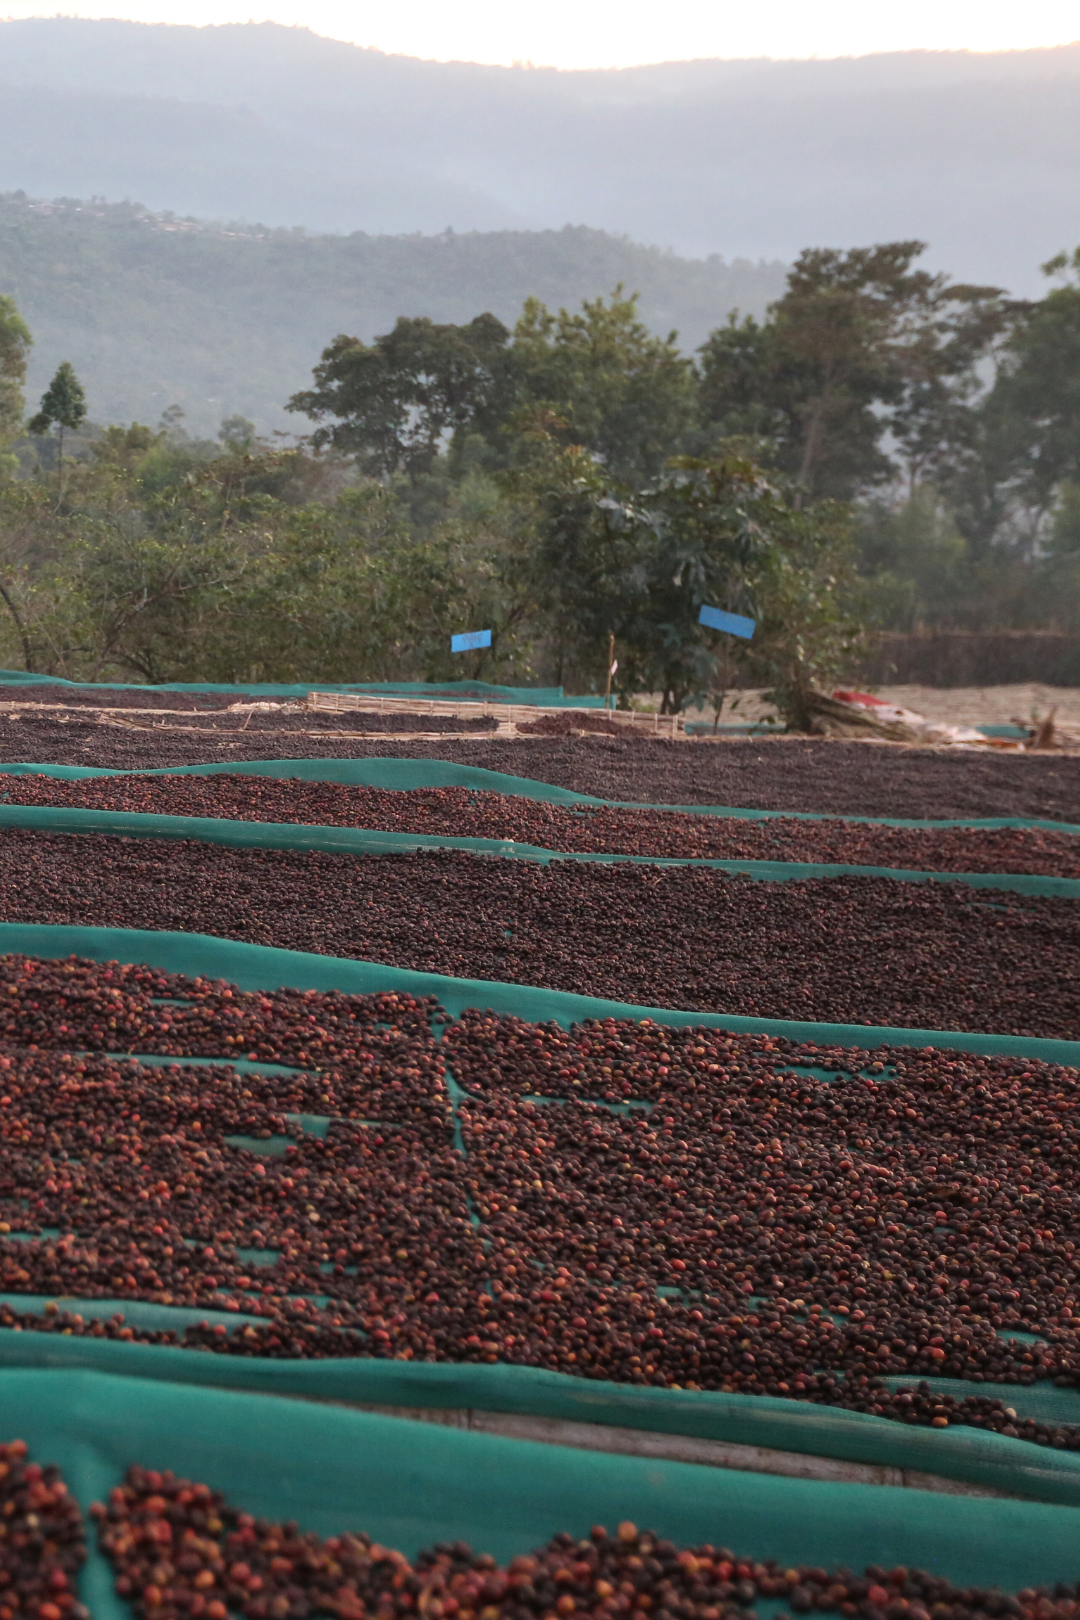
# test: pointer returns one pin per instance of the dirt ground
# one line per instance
(957, 706)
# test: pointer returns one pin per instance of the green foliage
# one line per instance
(1065, 539)
(714, 523)
(396, 400)
(265, 564)
(31, 537)
(950, 414)
(237, 433)
(1033, 412)
(812, 610)
(63, 403)
(605, 383)
(599, 380)
(539, 480)
(919, 562)
(15, 343)
(861, 343)
(585, 558)
(720, 532)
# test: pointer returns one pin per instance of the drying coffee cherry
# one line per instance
(180, 1548)
(787, 774)
(459, 812)
(852, 950)
(637, 1203)
(44, 1544)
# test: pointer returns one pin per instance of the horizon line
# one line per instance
(523, 65)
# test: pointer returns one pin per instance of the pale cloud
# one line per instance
(588, 33)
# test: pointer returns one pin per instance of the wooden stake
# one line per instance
(610, 661)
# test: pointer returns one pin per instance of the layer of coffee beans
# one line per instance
(180, 1548)
(566, 724)
(841, 778)
(898, 1220)
(119, 697)
(200, 1185)
(288, 724)
(43, 1545)
(157, 697)
(458, 812)
(841, 950)
(683, 1208)
(374, 1053)
(283, 723)
(295, 1339)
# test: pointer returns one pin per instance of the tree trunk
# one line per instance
(28, 656)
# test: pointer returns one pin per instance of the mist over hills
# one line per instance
(451, 188)
(156, 311)
(977, 154)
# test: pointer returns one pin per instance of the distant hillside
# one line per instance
(978, 154)
(156, 311)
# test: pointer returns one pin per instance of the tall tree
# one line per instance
(63, 404)
(861, 344)
(598, 379)
(14, 350)
(393, 403)
(1032, 415)
(605, 382)
(640, 566)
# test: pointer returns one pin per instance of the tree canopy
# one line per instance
(883, 448)
(861, 346)
(15, 344)
(599, 378)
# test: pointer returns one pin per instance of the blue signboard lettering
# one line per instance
(470, 640)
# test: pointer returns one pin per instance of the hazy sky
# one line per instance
(598, 33)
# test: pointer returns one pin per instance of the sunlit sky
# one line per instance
(598, 33)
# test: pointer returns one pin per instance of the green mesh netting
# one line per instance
(971, 1456)
(548, 697)
(266, 967)
(359, 841)
(1042, 1401)
(965, 1454)
(410, 1484)
(403, 775)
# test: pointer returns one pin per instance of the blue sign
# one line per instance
(733, 623)
(469, 640)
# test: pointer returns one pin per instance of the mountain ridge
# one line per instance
(154, 310)
(976, 153)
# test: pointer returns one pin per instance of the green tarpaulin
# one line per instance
(410, 1484)
(963, 1454)
(404, 775)
(547, 697)
(359, 841)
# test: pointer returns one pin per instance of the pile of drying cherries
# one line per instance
(459, 812)
(181, 1549)
(843, 949)
(638, 1203)
(43, 1544)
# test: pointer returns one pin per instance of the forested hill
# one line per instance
(155, 311)
(978, 154)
